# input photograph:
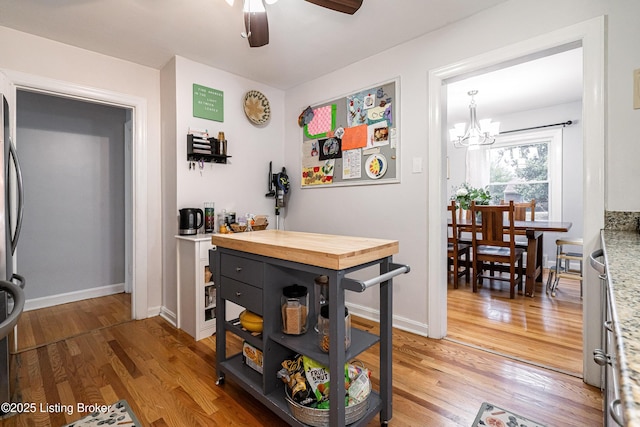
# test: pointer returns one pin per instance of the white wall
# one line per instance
(400, 211)
(36, 56)
(238, 186)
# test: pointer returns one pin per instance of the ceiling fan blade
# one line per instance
(345, 6)
(257, 28)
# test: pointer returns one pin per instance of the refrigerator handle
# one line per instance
(16, 233)
(6, 327)
(17, 279)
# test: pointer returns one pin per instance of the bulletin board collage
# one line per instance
(351, 140)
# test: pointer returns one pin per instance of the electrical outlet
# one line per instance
(636, 89)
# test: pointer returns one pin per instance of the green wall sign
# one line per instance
(208, 103)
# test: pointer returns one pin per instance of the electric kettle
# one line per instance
(189, 221)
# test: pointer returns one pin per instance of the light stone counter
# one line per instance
(622, 257)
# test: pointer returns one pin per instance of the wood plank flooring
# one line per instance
(169, 380)
(544, 330)
(51, 324)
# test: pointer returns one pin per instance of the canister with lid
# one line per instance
(295, 307)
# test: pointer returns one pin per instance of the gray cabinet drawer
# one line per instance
(242, 294)
(242, 269)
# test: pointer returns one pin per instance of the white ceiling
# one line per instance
(536, 83)
(306, 41)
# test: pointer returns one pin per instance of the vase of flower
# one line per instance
(464, 194)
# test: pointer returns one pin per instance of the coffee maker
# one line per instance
(191, 219)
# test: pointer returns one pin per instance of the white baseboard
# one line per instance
(398, 321)
(50, 301)
(166, 314)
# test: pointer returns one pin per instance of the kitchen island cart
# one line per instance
(252, 269)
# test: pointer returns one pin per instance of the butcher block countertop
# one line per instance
(321, 250)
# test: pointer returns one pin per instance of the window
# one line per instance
(528, 166)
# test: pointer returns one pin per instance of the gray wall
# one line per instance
(72, 157)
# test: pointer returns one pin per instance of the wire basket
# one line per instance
(237, 228)
(320, 417)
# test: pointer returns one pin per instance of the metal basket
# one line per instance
(320, 417)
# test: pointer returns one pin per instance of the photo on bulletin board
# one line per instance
(352, 139)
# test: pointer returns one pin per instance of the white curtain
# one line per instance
(478, 167)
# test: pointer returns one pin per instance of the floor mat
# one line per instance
(492, 416)
(119, 414)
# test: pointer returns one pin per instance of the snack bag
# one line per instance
(318, 378)
(292, 374)
(356, 381)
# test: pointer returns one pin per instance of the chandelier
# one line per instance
(479, 132)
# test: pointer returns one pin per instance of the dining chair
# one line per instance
(457, 251)
(494, 245)
(520, 211)
(522, 208)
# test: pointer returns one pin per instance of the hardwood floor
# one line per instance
(544, 330)
(169, 380)
(51, 324)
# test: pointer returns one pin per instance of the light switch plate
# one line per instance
(417, 165)
(636, 89)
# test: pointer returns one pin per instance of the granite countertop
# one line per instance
(622, 255)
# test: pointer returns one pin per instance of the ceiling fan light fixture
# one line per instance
(254, 6)
(255, 23)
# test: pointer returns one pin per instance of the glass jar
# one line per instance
(209, 217)
(295, 307)
(321, 289)
(323, 328)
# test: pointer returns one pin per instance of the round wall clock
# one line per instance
(256, 107)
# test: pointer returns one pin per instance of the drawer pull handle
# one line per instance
(608, 325)
(238, 269)
(613, 410)
(600, 357)
(238, 294)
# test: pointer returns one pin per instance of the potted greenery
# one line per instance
(465, 194)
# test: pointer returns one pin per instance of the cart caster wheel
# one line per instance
(384, 423)
(220, 380)
(553, 294)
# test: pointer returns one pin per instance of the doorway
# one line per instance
(537, 155)
(74, 245)
(591, 36)
(73, 160)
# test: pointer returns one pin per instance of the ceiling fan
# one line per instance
(255, 16)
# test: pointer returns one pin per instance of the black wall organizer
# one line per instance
(209, 150)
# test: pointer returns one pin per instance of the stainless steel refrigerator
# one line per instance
(11, 284)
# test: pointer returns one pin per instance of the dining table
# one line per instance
(534, 230)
